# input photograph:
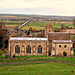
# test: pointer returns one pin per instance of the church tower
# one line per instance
(48, 28)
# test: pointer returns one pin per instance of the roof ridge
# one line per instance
(58, 32)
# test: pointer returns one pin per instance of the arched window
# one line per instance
(17, 49)
(28, 49)
(39, 49)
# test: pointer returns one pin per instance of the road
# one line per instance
(24, 24)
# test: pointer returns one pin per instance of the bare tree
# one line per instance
(2, 25)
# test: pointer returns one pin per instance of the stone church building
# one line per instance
(53, 43)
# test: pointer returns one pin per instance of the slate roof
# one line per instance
(58, 36)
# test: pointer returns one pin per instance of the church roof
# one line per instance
(58, 36)
(67, 41)
(27, 38)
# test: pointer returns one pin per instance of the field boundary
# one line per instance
(45, 61)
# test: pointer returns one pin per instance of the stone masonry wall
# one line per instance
(25, 43)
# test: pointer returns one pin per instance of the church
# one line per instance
(52, 44)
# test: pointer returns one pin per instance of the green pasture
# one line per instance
(14, 18)
(13, 22)
(39, 69)
(41, 25)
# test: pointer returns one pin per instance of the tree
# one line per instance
(28, 32)
(65, 53)
(62, 26)
(57, 30)
(0, 30)
(25, 31)
(1, 41)
(2, 25)
(30, 28)
(34, 29)
(3, 35)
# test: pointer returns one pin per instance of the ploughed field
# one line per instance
(38, 69)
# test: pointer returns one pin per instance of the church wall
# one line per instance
(34, 47)
(62, 49)
(48, 30)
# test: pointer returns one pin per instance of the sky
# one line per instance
(39, 7)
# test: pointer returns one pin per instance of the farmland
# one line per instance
(14, 20)
(41, 24)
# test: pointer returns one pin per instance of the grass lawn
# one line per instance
(30, 56)
(39, 69)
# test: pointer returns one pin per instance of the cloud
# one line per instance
(36, 3)
(39, 11)
(45, 6)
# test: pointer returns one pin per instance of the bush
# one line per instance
(74, 53)
(14, 56)
(6, 56)
(0, 54)
(65, 53)
(74, 49)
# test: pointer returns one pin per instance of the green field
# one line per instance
(13, 22)
(39, 69)
(41, 25)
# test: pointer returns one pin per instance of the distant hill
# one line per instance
(50, 17)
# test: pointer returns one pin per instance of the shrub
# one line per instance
(34, 30)
(6, 56)
(14, 56)
(30, 28)
(59, 55)
(74, 49)
(74, 53)
(0, 54)
(65, 53)
(28, 32)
